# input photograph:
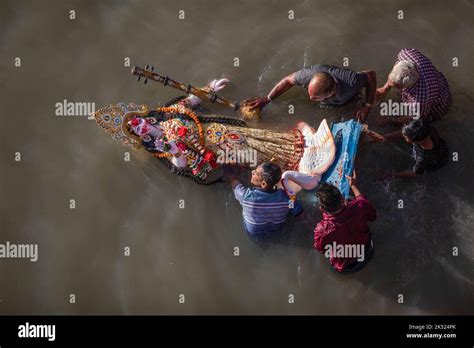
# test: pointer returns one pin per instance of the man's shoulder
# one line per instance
(315, 67)
(324, 228)
(358, 202)
(348, 76)
(281, 192)
(241, 191)
(304, 75)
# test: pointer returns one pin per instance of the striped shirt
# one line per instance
(264, 212)
(431, 90)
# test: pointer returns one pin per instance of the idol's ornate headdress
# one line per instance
(114, 119)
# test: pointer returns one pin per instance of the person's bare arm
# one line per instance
(370, 88)
(396, 135)
(234, 182)
(393, 120)
(352, 180)
(404, 174)
(281, 87)
(381, 92)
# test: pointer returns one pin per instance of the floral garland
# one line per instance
(192, 115)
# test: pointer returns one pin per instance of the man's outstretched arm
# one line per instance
(234, 182)
(281, 87)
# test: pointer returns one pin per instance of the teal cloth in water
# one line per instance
(346, 136)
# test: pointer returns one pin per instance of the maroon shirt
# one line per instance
(349, 226)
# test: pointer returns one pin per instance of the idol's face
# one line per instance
(139, 126)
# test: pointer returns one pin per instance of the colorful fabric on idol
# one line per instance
(181, 133)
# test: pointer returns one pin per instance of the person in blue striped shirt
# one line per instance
(265, 207)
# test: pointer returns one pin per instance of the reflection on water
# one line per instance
(135, 204)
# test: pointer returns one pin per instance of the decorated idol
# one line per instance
(197, 146)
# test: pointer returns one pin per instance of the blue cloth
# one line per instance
(264, 212)
(346, 136)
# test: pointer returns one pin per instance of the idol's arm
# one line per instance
(178, 159)
(214, 86)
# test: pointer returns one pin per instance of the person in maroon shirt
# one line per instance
(343, 233)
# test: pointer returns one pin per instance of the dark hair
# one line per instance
(325, 83)
(329, 196)
(416, 130)
(271, 173)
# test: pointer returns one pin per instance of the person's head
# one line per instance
(330, 198)
(416, 131)
(266, 175)
(322, 86)
(403, 75)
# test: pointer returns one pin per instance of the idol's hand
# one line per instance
(159, 145)
(217, 85)
(173, 148)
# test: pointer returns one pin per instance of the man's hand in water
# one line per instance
(257, 102)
